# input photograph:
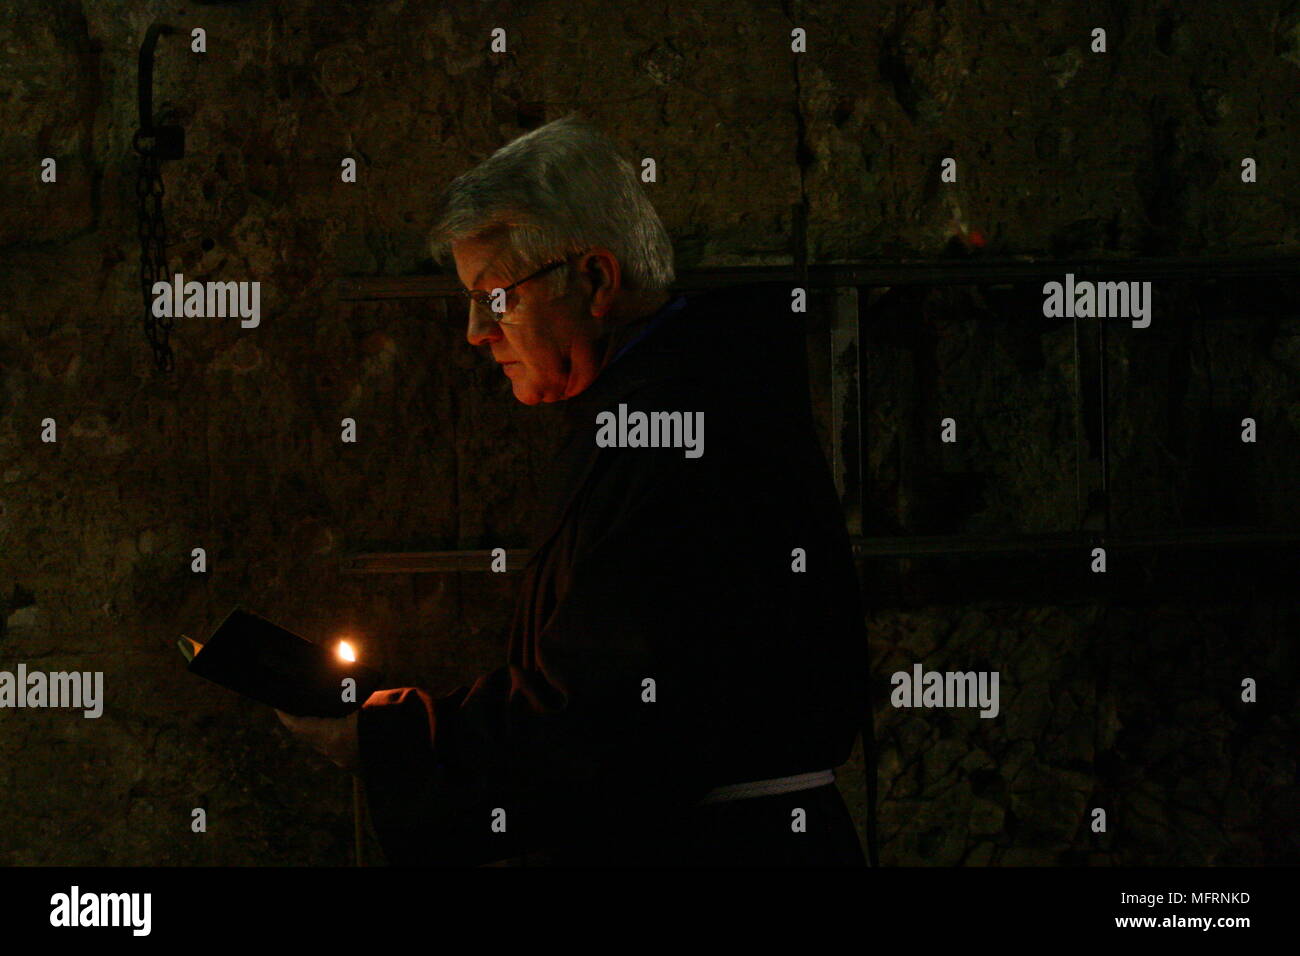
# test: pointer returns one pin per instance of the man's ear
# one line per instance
(601, 269)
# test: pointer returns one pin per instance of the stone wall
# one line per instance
(1061, 151)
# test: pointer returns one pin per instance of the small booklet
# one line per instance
(251, 656)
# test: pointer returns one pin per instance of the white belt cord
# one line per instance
(765, 788)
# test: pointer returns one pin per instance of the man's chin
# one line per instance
(531, 393)
(526, 394)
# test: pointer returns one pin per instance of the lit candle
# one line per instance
(347, 653)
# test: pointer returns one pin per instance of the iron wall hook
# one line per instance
(168, 141)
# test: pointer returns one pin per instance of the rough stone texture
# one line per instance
(1133, 710)
(1061, 151)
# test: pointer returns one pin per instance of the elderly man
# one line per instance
(687, 662)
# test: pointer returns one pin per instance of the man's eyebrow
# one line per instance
(482, 272)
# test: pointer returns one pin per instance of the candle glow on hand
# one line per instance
(346, 652)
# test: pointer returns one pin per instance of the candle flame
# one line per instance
(346, 652)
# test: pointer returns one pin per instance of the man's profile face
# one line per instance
(543, 341)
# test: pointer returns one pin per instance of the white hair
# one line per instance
(555, 191)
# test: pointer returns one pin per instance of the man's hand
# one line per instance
(335, 737)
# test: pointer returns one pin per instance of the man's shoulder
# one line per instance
(727, 335)
(765, 304)
(733, 346)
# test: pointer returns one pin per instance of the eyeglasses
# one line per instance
(485, 298)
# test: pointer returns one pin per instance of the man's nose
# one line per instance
(482, 327)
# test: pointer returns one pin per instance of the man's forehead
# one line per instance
(478, 251)
(488, 269)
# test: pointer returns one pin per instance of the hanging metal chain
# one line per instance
(149, 190)
(163, 142)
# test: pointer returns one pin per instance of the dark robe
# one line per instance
(649, 565)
